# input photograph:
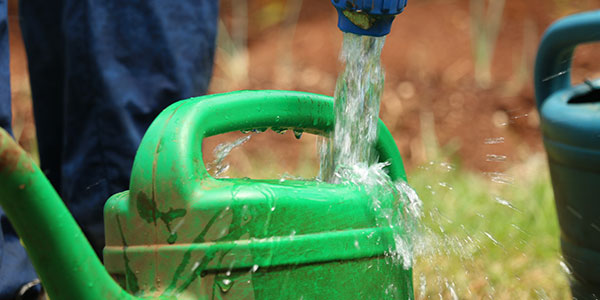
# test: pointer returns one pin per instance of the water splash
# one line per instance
(396, 206)
(218, 166)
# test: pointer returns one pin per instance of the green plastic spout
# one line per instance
(63, 258)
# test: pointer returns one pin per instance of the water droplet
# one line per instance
(279, 130)
(446, 185)
(450, 287)
(495, 158)
(422, 285)
(172, 238)
(254, 269)
(195, 266)
(298, 133)
(494, 140)
(225, 285)
(505, 203)
(519, 116)
(499, 177)
(493, 239)
(565, 268)
(574, 212)
(596, 227)
(447, 167)
(556, 75)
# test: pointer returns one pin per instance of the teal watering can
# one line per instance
(570, 124)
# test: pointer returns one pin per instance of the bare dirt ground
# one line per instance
(431, 99)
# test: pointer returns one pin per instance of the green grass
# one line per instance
(522, 260)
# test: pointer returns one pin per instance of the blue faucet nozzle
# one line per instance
(372, 17)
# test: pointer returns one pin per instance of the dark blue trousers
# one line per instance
(101, 71)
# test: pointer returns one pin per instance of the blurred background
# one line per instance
(459, 100)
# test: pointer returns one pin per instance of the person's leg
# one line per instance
(40, 22)
(123, 62)
(15, 268)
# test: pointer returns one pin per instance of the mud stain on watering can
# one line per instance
(148, 211)
(236, 230)
(10, 157)
(198, 268)
(131, 280)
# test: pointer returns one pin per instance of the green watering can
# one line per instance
(570, 123)
(178, 233)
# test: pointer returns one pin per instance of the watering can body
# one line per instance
(178, 233)
(570, 124)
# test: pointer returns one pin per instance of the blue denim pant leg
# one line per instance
(15, 268)
(101, 71)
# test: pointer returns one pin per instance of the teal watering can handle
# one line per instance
(553, 62)
(170, 156)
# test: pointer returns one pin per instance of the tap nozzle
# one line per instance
(372, 18)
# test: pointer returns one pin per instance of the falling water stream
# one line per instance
(357, 98)
(348, 155)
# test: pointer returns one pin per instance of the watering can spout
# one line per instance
(60, 253)
(372, 18)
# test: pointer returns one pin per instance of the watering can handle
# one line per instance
(170, 155)
(553, 61)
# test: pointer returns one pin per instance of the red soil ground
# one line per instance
(431, 97)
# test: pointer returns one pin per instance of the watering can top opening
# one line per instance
(570, 115)
(372, 18)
